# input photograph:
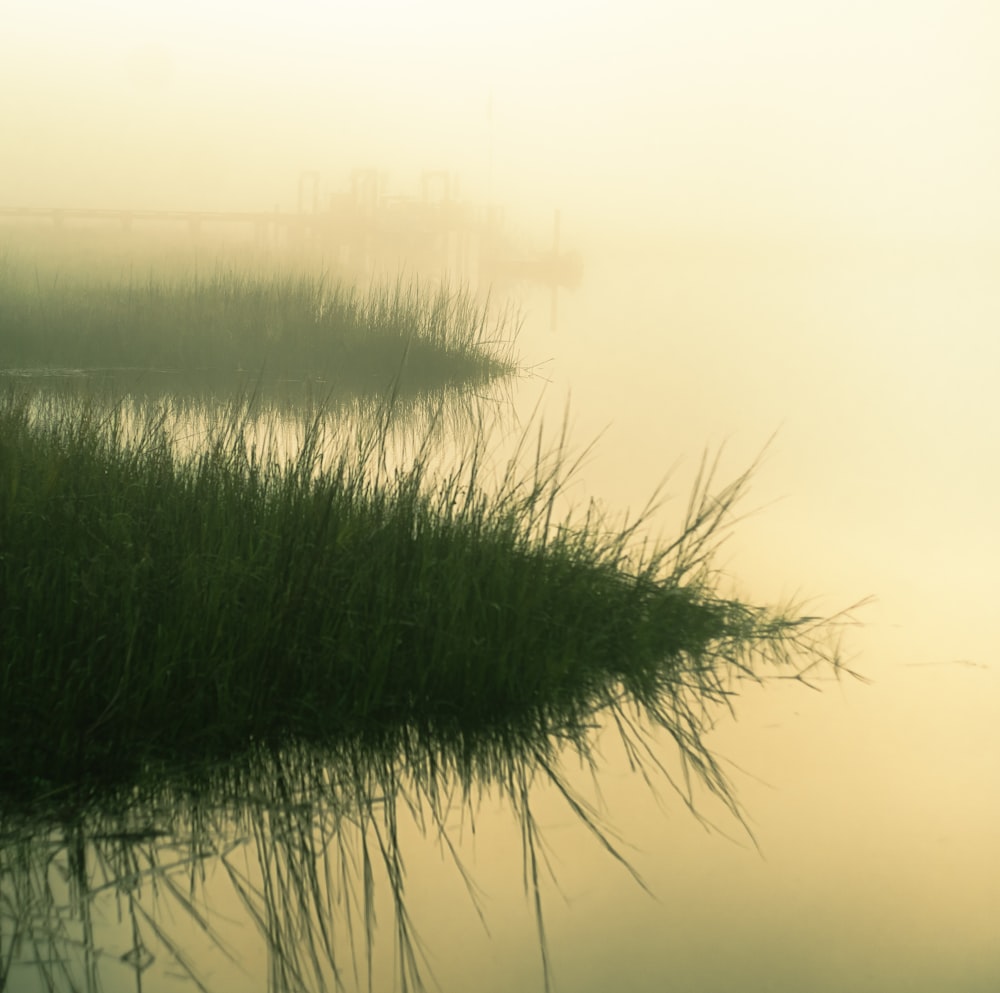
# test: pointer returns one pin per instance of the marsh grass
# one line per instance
(164, 606)
(258, 322)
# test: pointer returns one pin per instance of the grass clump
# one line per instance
(280, 325)
(161, 607)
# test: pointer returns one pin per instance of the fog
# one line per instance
(768, 120)
(790, 220)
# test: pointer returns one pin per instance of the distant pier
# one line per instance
(363, 228)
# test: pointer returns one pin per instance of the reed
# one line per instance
(165, 605)
(274, 325)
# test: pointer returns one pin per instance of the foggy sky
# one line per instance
(771, 118)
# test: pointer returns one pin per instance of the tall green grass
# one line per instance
(299, 325)
(157, 606)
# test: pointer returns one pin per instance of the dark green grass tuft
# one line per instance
(262, 323)
(156, 607)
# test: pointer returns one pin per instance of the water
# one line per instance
(875, 806)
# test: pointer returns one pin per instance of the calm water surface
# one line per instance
(875, 807)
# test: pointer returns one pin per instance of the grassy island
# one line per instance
(161, 607)
(263, 324)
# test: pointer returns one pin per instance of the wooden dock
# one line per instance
(363, 228)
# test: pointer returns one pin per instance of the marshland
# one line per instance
(211, 581)
(185, 605)
(233, 322)
(438, 448)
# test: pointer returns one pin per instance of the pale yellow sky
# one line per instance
(777, 115)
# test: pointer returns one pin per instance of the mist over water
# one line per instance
(788, 215)
(871, 804)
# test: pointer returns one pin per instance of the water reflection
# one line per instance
(287, 868)
(290, 858)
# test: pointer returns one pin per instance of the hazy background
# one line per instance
(767, 119)
(789, 215)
